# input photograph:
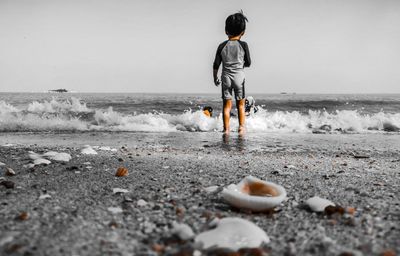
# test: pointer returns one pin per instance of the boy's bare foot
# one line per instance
(241, 130)
(226, 132)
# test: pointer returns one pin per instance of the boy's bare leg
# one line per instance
(227, 115)
(242, 116)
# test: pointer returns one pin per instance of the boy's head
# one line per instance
(235, 24)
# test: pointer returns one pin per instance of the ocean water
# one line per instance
(160, 113)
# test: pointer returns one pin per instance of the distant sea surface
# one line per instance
(132, 112)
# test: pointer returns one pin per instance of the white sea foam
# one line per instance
(74, 115)
(56, 106)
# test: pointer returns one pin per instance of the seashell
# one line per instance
(234, 234)
(88, 150)
(254, 194)
(318, 204)
(122, 171)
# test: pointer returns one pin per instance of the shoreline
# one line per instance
(172, 178)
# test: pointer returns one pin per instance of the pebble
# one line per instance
(120, 190)
(10, 172)
(44, 196)
(8, 184)
(183, 231)
(88, 150)
(148, 227)
(2, 164)
(56, 156)
(211, 189)
(290, 166)
(318, 204)
(115, 210)
(196, 253)
(141, 202)
(40, 161)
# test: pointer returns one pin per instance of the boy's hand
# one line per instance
(217, 82)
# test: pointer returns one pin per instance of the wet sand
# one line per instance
(360, 171)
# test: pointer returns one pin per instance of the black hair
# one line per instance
(210, 109)
(235, 24)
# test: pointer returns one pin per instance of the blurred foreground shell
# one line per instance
(254, 194)
(122, 171)
(234, 234)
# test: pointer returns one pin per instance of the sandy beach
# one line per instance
(69, 208)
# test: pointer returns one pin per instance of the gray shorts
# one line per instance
(233, 83)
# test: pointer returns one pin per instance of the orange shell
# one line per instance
(122, 171)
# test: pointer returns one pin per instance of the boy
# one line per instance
(234, 55)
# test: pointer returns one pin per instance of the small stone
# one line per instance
(29, 166)
(40, 161)
(180, 211)
(10, 172)
(88, 150)
(141, 202)
(388, 253)
(159, 248)
(23, 216)
(8, 184)
(2, 164)
(211, 189)
(148, 227)
(197, 253)
(113, 224)
(44, 196)
(115, 210)
(183, 231)
(120, 190)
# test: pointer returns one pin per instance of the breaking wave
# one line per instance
(74, 115)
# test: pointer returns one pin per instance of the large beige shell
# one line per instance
(254, 194)
(234, 234)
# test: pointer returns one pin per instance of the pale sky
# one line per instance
(302, 46)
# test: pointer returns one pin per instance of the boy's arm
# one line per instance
(247, 59)
(215, 75)
(217, 63)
